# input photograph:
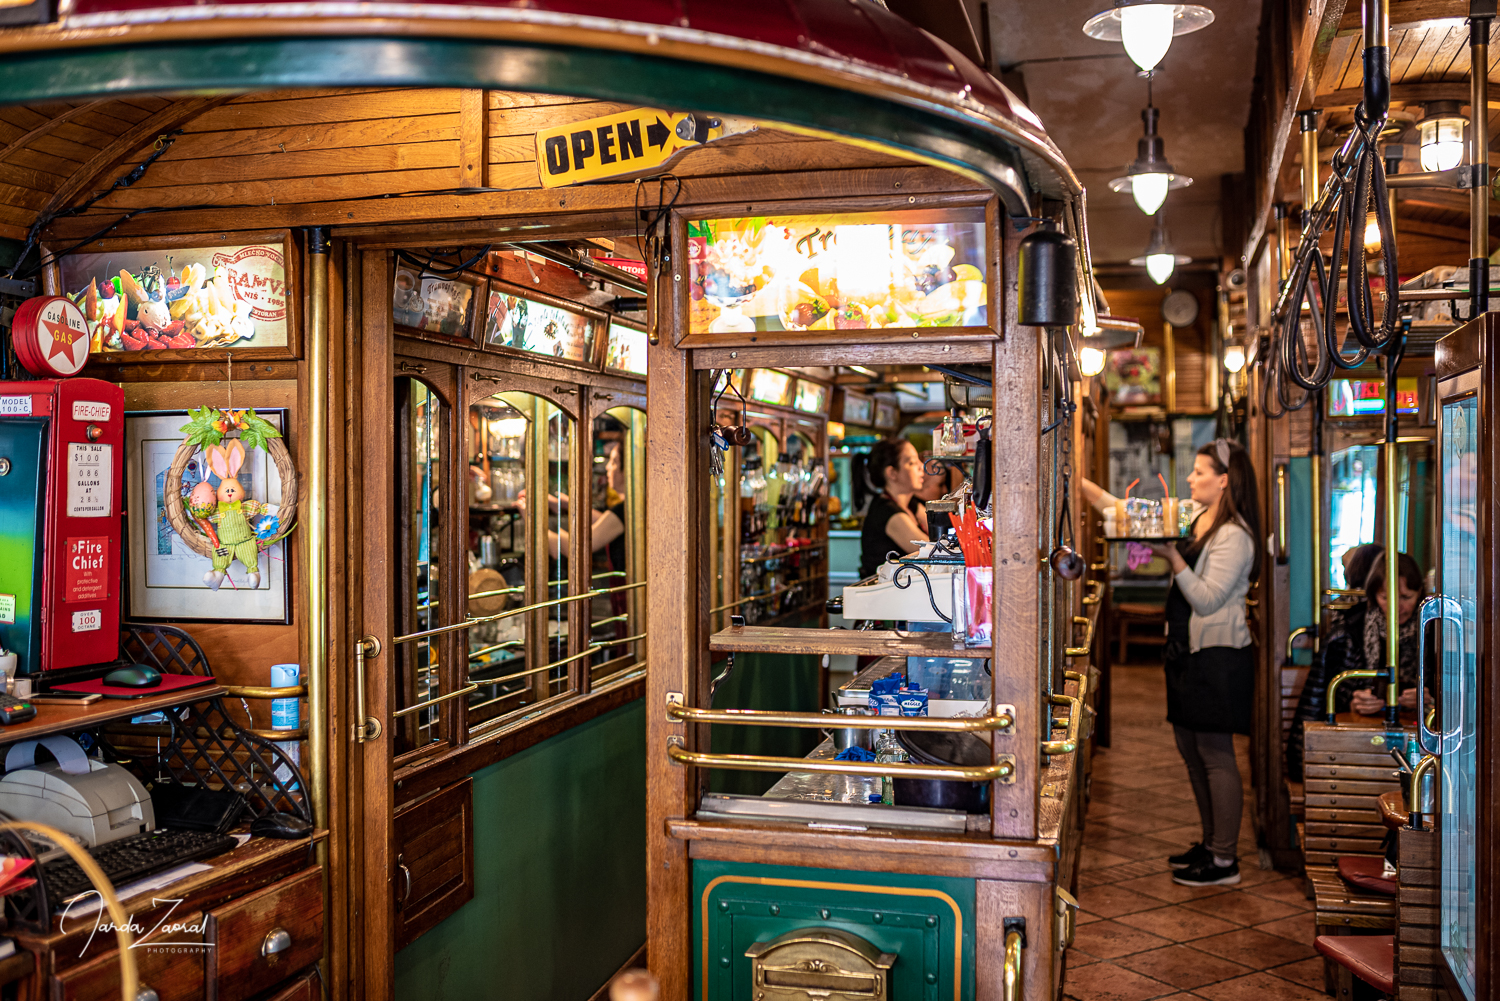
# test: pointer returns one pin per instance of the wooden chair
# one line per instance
(1138, 613)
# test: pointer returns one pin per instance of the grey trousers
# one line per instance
(1215, 777)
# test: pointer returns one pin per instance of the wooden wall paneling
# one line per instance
(1018, 572)
(472, 172)
(675, 613)
(376, 618)
(996, 900)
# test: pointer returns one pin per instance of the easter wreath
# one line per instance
(208, 427)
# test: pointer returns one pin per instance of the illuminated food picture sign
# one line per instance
(1366, 397)
(859, 410)
(181, 299)
(811, 396)
(515, 322)
(854, 271)
(627, 349)
(769, 386)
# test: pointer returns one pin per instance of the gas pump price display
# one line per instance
(90, 478)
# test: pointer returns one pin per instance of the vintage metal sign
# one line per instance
(627, 142)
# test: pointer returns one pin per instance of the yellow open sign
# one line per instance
(626, 142)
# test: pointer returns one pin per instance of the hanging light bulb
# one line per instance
(1159, 259)
(1147, 28)
(1090, 361)
(1441, 132)
(1234, 357)
(1372, 234)
(1150, 177)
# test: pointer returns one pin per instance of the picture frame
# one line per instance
(164, 577)
(534, 324)
(251, 312)
(625, 351)
(438, 307)
(886, 415)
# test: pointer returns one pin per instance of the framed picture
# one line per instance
(1133, 377)
(190, 294)
(165, 576)
(425, 303)
(886, 413)
(770, 386)
(627, 349)
(538, 326)
(811, 398)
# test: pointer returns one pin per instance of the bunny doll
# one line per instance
(237, 540)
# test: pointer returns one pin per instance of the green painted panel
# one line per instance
(1299, 544)
(936, 129)
(927, 921)
(559, 873)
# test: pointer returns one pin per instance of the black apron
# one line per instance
(1210, 691)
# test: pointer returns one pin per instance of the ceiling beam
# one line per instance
(1412, 14)
(1458, 234)
(1406, 93)
(22, 141)
(1443, 201)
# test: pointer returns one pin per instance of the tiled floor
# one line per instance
(1140, 935)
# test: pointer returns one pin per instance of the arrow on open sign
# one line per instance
(657, 134)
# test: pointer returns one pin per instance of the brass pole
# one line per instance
(1319, 557)
(314, 516)
(1309, 161)
(1283, 245)
(1392, 553)
(1479, 136)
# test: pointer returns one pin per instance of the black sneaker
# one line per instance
(1196, 855)
(1209, 874)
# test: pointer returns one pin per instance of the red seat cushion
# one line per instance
(1371, 958)
(1368, 873)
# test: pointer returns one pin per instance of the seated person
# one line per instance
(895, 469)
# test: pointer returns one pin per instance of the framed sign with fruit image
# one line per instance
(187, 294)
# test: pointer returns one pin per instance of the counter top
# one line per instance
(51, 719)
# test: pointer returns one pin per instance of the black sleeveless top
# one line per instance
(1178, 612)
(874, 543)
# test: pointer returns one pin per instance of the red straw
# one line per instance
(1132, 486)
(1164, 491)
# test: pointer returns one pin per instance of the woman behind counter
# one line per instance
(891, 523)
(1210, 665)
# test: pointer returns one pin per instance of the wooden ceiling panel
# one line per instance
(338, 107)
(304, 138)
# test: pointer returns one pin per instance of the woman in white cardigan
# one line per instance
(1210, 664)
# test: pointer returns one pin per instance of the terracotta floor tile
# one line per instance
(1135, 847)
(1255, 949)
(1178, 924)
(1288, 891)
(1251, 874)
(1078, 959)
(1122, 818)
(1113, 901)
(1307, 972)
(1138, 777)
(1108, 982)
(1299, 927)
(1160, 885)
(1260, 987)
(1084, 917)
(1095, 858)
(1183, 967)
(1112, 939)
(1180, 834)
(1244, 908)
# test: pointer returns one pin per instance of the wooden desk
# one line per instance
(66, 719)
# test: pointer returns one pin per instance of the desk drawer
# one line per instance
(262, 939)
(173, 971)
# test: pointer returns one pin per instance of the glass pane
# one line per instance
(499, 436)
(421, 440)
(1353, 478)
(1459, 701)
(555, 463)
(617, 492)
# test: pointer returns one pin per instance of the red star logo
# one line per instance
(63, 337)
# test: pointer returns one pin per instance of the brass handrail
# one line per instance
(1291, 638)
(1414, 813)
(1095, 596)
(432, 702)
(508, 613)
(891, 769)
(1013, 985)
(1281, 512)
(366, 727)
(1339, 679)
(1088, 638)
(1075, 715)
(824, 721)
(259, 692)
(758, 597)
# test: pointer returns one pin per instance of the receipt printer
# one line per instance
(103, 804)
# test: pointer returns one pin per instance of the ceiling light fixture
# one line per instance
(1147, 28)
(1441, 131)
(1159, 259)
(1150, 176)
(1090, 361)
(1234, 357)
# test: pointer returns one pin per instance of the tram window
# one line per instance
(616, 511)
(422, 427)
(1356, 492)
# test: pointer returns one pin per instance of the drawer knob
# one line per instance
(278, 940)
(145, 993)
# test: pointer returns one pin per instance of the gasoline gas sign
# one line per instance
(627, 142)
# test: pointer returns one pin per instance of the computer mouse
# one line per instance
(280, 825)
(133, 676)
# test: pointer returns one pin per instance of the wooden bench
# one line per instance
(1418, 961)
(1138, 613)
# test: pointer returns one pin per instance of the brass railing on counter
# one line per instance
(1087, 646)
(1096, 595)
(262, 692)
(1075, 714)
(1002, 770)
(678, 712)
(1339, 679)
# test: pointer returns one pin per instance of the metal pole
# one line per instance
(1479, 136)
(1283, 245)
(1309, 120)
(1392, 554)
(314, 516)
(1319, 557)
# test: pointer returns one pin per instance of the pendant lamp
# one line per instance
(1150, 176)
(1441, 132)
(1158, 259)
(1147, 28)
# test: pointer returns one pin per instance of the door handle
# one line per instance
(1096, 595)
(1281, 514)
(1419, 803)
(1013, 983)
(1441, 609)
(368, 728)
(1088, 638)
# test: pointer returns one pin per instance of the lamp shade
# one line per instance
(1234, 357)
(1441, 133)
(1150, 176)
(1159, 259)
(1090, 361)
(1146, 29)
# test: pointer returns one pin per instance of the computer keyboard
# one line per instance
(131, 858)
